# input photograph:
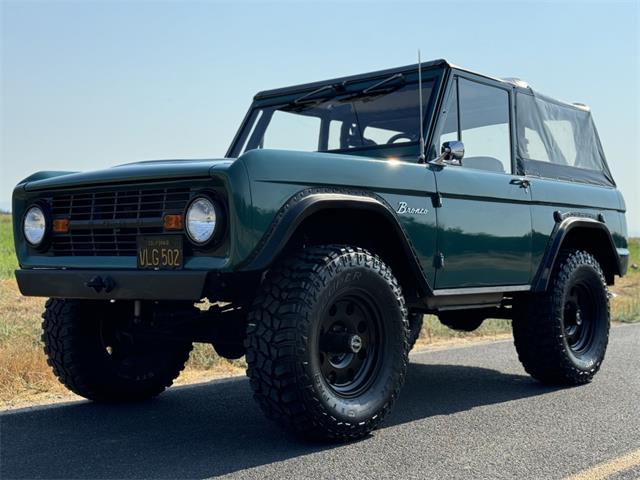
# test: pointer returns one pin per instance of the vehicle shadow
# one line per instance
(212, 428)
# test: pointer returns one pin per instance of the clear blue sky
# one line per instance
(87, 85)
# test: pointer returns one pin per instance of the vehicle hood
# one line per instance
(154, 170)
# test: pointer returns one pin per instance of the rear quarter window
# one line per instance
(558, 140)
(564, 137)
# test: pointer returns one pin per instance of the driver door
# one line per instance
(484, 222)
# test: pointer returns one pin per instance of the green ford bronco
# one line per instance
(343, 211)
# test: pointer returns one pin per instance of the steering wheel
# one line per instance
(398, 136)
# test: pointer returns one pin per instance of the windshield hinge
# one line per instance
(438, 261)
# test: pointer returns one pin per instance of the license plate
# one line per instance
(160, 252)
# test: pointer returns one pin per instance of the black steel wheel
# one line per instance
(327, 342)
(561, 336)
(578, 317)
(94, 354)
(349, 343)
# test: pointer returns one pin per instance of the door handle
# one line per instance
(522, 182)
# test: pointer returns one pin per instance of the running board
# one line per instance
(471, 298)
(481, 290)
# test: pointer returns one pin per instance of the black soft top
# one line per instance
(518, 84)
(534, 112)
(351, 78)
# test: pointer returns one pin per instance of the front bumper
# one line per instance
(113, 284)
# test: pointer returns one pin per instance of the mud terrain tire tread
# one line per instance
(538, 328)
(72, 356)
(276, 348)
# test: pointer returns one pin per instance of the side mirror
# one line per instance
(451, 153)
(453, 150)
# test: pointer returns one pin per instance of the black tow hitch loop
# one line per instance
(98, 284)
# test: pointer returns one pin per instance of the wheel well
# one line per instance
(362, 228)
(597, 242)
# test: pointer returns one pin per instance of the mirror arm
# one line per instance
(441, 160)
(444, 160)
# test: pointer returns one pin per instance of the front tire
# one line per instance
(561, 336)
(92, 354)
(327, 343)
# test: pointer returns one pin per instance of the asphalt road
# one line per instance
(467, 412)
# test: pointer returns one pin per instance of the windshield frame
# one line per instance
(433, 74)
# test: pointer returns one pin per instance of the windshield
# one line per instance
(328, 120)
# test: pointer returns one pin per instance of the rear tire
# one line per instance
(561, 335)
(93, 357)
(306, 369)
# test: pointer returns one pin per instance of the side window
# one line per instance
(562, 133)
(333, 141)
(533, 145)
(483, 122)
(484, 125)
(292, 132)
(558, 140)
(555, 133)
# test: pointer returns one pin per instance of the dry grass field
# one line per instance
(25, 377)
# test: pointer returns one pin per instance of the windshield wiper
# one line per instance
(376, 87)
(380, 88)
(306, 98)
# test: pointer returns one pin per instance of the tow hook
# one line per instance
(98, 284)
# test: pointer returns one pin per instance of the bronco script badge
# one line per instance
(403, 208)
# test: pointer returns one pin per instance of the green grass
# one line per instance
(634, 256)
(625, 307)
(8, 262)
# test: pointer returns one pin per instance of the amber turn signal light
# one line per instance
(173, 222)
(61, 225)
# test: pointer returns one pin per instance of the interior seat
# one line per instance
(489, 164)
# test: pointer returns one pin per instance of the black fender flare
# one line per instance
(307, 202)
(565, 223)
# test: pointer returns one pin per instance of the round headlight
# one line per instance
(201, 220)
(34, 226)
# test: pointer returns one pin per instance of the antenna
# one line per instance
(421, 157)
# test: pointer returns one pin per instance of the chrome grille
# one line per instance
(107, 223)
